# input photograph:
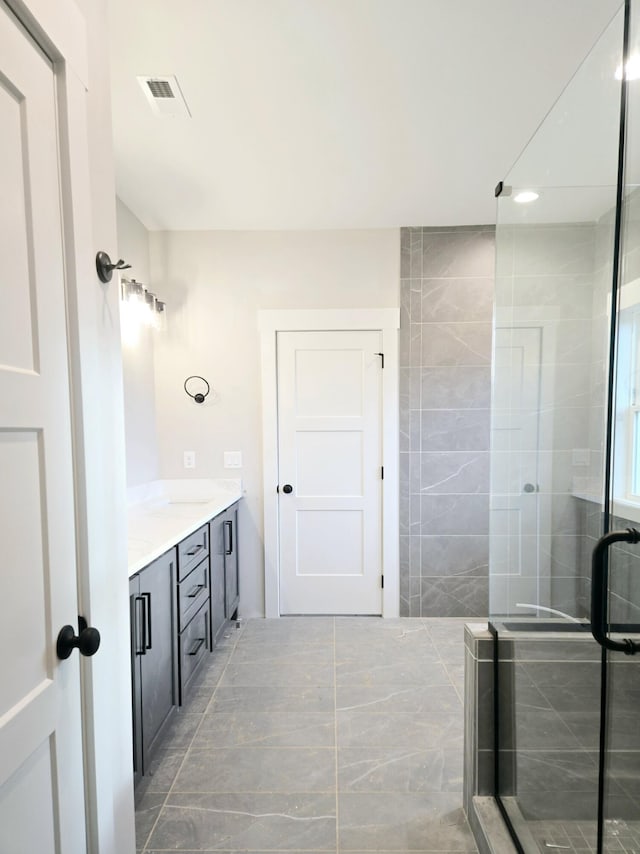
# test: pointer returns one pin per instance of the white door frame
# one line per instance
(387, 321)
(95, 367)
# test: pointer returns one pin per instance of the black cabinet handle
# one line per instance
(196, 647)
(141, 627)
(194, 591)
(148, 642)
(195, 550)
(229, 549)
(599, 590)
(287, 489)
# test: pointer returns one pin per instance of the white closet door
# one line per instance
(329, 440)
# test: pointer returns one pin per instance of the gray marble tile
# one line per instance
(405, 253)
(458, 253)
(452, 555)
(362, 728)
(255, 822)
(181, 730)
(387, 700)
(304, 668)
(370, 666)
(270, 700)
(264, 769)
(392, 770)
(552, 771)
(457, 300)
(455, 597)
(554, 250)
(415, 388)
(455, 430)
(415, 253)
(198, 698)
(457, 472)
(250, 727)
(415, 556)
(267, 652)
(455, 344)
(451, 514)
(452, 387)
(403, 821)
(162, 770)
(374, 629)
(306, 630)
(147, 811)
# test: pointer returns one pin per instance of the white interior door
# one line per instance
(329, 446)
(41, 771)
(516, 469)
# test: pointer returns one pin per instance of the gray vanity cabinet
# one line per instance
(153, 654)
(217, 538)
(231, 567)
(194, 628)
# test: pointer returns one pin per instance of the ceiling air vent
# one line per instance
(165, 96)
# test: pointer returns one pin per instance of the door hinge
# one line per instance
(381, 356)
(381, 472)
(382, 581)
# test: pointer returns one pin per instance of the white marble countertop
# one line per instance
(162, 513)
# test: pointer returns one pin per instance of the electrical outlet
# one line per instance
(189, 461)
(233, 459)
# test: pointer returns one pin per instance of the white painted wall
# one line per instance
(100, 461)
(137, 360)
(214, 284)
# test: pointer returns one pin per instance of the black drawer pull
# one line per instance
(229, 548)
(194, 591)
(195, 550)
(140, 626)
(147, 611)
(198, 644)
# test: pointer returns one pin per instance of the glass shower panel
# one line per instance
(551, 332)
(621, 807)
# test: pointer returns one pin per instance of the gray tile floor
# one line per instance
(579, 837)
(317, 734)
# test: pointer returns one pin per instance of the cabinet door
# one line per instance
(136, 691)
(157, 663)
(231, 561)
(217, 541)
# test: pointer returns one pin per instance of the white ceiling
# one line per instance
(336, 113)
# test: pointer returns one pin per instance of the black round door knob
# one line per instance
(287, 488)
(88, 641)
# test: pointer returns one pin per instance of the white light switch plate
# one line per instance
(189, 461)
(233, 459)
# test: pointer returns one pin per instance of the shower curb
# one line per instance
(488, 827)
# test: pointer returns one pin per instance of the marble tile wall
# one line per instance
(445, 392)
(544, 392)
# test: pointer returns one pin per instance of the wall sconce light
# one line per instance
(139, 308)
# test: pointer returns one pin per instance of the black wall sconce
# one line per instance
(199, 396)
(105, 268)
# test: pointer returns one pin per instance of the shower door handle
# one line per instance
(599, 590)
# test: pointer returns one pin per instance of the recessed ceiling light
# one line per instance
(525, 196)
(633, 68)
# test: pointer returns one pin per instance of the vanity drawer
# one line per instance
(193, 592)
(192, 550)
(193, 644)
